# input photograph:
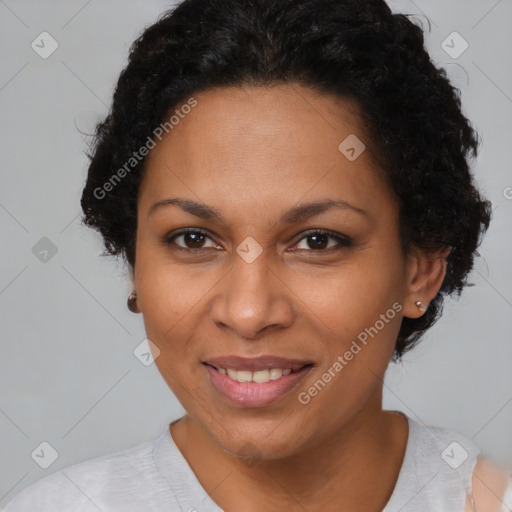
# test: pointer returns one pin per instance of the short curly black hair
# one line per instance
(355, 49)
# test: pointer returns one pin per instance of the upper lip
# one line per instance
(256, 363)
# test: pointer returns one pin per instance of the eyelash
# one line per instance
(343, 241)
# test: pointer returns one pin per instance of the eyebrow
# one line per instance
(294, 215)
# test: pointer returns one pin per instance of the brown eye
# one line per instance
(318, 240)
(192, 239)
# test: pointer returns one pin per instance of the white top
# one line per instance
(155, 477)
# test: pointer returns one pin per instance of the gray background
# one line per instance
(68, 373)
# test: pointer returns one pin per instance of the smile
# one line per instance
(258, 376)
(257, 388)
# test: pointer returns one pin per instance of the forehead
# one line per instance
(284, 117)
(262, 145)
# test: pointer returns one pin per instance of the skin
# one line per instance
(252, 153)
(488, 486)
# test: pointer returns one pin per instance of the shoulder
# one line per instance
(436, 471)
(89, 485)
(433, 436)
(445, 451)
(54, 490)
(491, 487)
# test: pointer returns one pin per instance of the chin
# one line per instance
(254, 440)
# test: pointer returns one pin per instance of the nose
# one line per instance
(253, 299)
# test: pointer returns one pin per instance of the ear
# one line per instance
(426, 270)
(133, 301)
(133, 280)
(131, 271)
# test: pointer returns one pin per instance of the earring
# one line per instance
(132, 303)
(421, 306)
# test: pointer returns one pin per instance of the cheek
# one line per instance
(169, 294)
(354, 297)
(357, 345)
(164, 304)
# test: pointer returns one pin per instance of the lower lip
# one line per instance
(253, 394)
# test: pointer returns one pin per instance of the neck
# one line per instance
(365, 453)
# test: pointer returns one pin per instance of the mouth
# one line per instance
(255, 382)
(257, 376)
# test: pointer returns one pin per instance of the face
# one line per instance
(252, 280)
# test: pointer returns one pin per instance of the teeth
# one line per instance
(276, 373)
(259, 376)
(243, 376)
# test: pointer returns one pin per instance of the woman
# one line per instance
(288, 182)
